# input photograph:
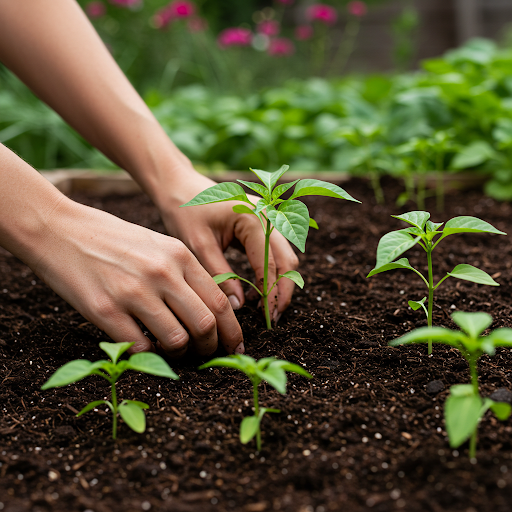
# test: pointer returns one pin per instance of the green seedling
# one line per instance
(130, 410)
(270, 370)
(464, 406)
(428, 235)
(290, 217)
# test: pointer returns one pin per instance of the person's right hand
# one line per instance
(114, 272)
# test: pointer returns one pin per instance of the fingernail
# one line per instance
(233, 300)
(240, 349)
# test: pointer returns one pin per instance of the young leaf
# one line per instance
(238, 361)
(276, 176)
(142, 405)
(218, 193)
(473, 274)
(70, 372)
(115, 350)
(148, 362)
(281, 189)
(249, 428)
(320, 188)
(433, 226)
(275, 376)
(467, 224)
(502, 410)
(269, 179)
(462, 414)
(312, 223)
(392, 244)
(401, 263)
(292, 221)
(255, 187)
(473, 324)
(462, 390)
(423, 334)
(415, 305)
(292, 367)
(133, 416)
(260, 206)
(93, 405)
(294, 276)
(242, 208)
(416, 218)
(501, 337)
(220, 278)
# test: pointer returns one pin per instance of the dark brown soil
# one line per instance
(367, 433)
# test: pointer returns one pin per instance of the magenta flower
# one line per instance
(235, 36)
(268, 28)
(323, 13)
(281, 47)
(197, 24)
(357, 8)
(303, 32)
(95, 9)
(125, 3)
(181, 9)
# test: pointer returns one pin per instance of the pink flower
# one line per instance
(125, 3)
(95, 9)
(357, 8)
(235, 36)
(303, 32)
(181, 9)
(281, 47)
(197, 24)
(269, 28)
(322, 12)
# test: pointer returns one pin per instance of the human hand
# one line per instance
(114, 272)
(209, 229)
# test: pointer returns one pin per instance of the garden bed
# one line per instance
(367, 433)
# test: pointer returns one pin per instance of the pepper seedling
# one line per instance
(424, 232)
(270, 370)
(464, 407)
(130, 410)
(290, 217)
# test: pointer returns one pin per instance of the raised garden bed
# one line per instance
(367, 433)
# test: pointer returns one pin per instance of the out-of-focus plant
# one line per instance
(404, 29)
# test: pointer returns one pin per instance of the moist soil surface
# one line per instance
(367, 433)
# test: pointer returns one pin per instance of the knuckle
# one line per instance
(104, 308)
(159, 268)
(177, 339)
(180, 251)
(206, 324)
(220, 302)
(294, 261)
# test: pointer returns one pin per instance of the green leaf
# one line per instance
(292, 221)
(238, 361)
(133, 416)
(473, 324)
(294, 276)
(401, 263)
(218, 193)
(281, 189)
(275, 376)
(93, 405)
(502, 410)
(148, 362)
(141, 405)
(264, 410)
(220, 278)
(115, 350)
(474, 154)
(415, 305)
(260, 206)
(475, 275)
(392, 244)
(501, 337)
(255, 187)
(276, 176)
(462, 390)
(424, 334)
(269, 179)
(292, 367)
(242, 208)
(462, 414)
(312, 223)
(416, 218)
(249, 428)
(70, 372)
(466, 224)
(433, 226)
(320, 188)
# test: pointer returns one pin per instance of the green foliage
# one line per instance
(290, 217)
(130, 410)
(428, 234)
(269, 369)
(464, 408)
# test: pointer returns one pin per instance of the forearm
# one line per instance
(54, 49)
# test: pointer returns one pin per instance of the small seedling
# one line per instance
(464, 407)
(424, 232)
(130, 410)
(268, 369)
(290, 217)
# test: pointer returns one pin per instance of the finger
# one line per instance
(251, 236)
(217, 304)
(160, 320)
(286, 260)
(211, 256)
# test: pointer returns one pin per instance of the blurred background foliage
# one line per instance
(233, 103)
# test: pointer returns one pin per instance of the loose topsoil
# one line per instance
(367, 433)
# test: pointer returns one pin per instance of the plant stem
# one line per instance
(257, 414)
(265, 277)
(114, 412)
(430, 292)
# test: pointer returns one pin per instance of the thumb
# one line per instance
(211, 257)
